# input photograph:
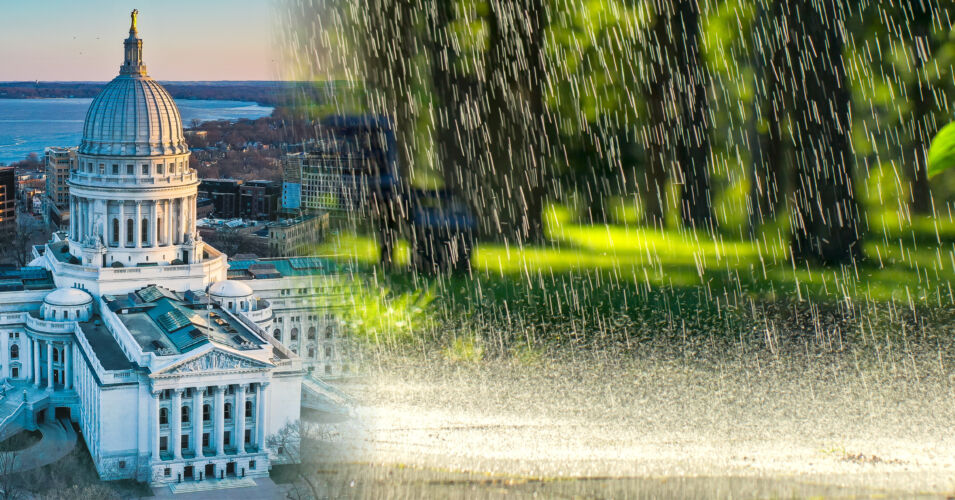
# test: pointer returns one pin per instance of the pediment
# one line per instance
(214, 361)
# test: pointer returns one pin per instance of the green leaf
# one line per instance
(941, 155)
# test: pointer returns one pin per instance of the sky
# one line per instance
(82, 40)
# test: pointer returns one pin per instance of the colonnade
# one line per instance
(64, 357)
(217, 401)
(134, 224)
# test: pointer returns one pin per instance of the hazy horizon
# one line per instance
(61, 41)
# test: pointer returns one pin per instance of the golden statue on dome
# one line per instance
(132, 17)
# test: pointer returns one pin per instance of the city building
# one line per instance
(59, 162)
(8, 198)
(287, 237)
(224, 194)
(259, 199)
(128, 324)
(353, 166)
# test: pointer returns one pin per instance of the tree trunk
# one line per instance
(922, 124)
(768, 174)
(660, 139)
(826, 221)
(693, 142)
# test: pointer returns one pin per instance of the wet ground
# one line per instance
(729, 426)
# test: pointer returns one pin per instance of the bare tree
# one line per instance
(9, 476)
(19, 239)
(287, 446)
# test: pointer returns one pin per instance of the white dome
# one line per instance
(232, 289)
(133, 116)
(68, 297)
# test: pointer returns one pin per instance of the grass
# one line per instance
(589, 275)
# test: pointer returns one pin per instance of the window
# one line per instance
(328, 352)
(251, 464)
(56, 352)
(227, 413)
(185, 413)
(129, 170)
(163, 444)
(184, 441)
(277, 334)
(226, 438)
(115, 230)
(311, 352)
(205, 439)
(159, 169)
(115, 169)
(145, 169)
(163, 416)
(122, 464)
(294, 334)
(15, 372)
(14, 352)
(167, 471)
(248, 409)
(248, 436)
(328, 369)
(206, 413)
(102, 169)
(129, 230)
(311, 333)
(145, 231)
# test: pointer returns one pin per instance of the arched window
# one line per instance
(14, 352)
(185, 413)
(115, 238)
(227, 411)
(294, 334)
(248, 408)
(163, 416)
(206, 413)
(311, 333)
(145, 231)
(130, 232)
(277, 334)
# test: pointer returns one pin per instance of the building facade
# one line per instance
(8, 198)
(128, 324)
(59, 162)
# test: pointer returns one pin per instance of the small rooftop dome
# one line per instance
(67, 304)
(68, 297)
(227, 288)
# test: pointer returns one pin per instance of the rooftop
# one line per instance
(281, 267)
(25, 278)
(108, 352)
(167, 323)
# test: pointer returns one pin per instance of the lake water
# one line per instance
(30, 125)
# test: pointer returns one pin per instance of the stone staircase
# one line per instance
(320, 395)
(211, 485)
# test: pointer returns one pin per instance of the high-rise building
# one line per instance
(352, 165)
(59, 162)
(8, 198)
(224, 194)
(259, 199)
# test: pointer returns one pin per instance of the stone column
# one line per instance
(260, 415)
(182, 220)
(137, 226)
(175, 433)
(239, 419)
(220, 420)
(197, 422)
(36, 362)
(49, 365)
(155, 426)
(153, 233)
(67, 365)
(168, 227)
(122, 224)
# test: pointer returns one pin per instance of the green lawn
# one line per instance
(593, 273)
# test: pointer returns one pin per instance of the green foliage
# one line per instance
(941, 156)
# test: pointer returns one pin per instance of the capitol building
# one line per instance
(175, 363)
